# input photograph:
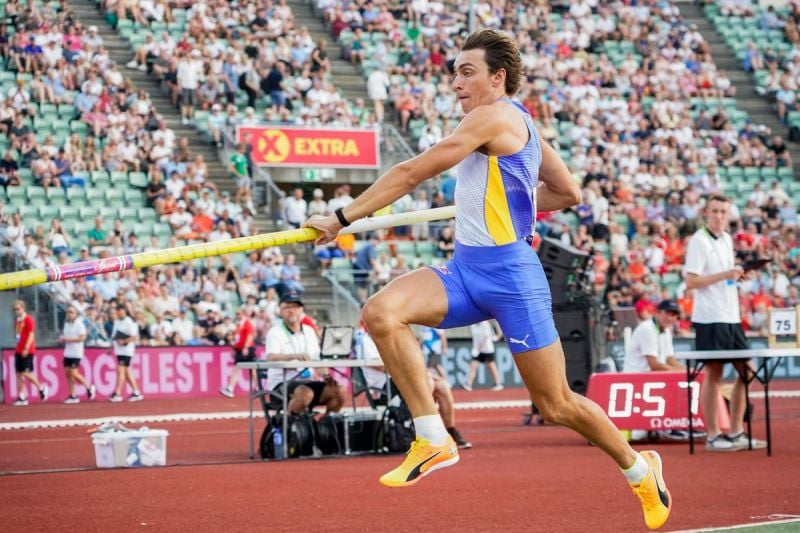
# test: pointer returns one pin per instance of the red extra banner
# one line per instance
(311, 147)
(649, 401)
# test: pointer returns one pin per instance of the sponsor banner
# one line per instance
(648, 401)
(162, 372)
(278, 146)
(199, 371)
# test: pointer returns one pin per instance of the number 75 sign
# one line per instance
(650, 400)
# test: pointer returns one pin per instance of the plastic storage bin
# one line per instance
(130, 448)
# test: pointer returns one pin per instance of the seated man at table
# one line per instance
(291, 340)
(651, 349)
(376, 379)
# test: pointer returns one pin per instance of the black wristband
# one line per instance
(340, 215)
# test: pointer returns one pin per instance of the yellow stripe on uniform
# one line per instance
(498, 216)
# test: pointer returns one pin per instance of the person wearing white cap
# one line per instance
(317, 206)
(190, 69)
(93, 39)
(181, 220)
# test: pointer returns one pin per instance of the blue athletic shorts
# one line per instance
(506, 283)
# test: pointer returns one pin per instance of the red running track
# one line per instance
(516, 478)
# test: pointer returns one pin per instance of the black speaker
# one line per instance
(558, 255)
(572, 325)
(578, 358)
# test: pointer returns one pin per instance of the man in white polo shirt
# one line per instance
(73, 337)
(651, 343)
(291, 340)
(651, 350)
(712, 273)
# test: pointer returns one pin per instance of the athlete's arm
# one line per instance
(557, 190)
(481, 126)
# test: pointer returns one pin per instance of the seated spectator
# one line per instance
(97, 236)
(58, 239)
(44, 171)
(290, 276)
(8, 171)
(289, 341)
(181, 222)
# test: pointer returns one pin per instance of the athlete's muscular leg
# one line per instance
(415, 298)
(545, 376)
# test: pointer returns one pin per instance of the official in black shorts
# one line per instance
(720, 336)
(23, 364)
(247, 355)
(713, 275)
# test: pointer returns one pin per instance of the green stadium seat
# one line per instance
(426, 248)
(162, 229)
(69, 213)
(28, 212)
(88, 213)
(128, 215)
(134, 197)
(67, 111)
(108, 214)
(785, 172)
(96, 197)
(147, 214)
(735, 174)
(769, 174)
(115, 197)
(48, 212)
(138, 179)
(80, 229)
(77, 126)
(55, 196)
(406, 248)
(76, 196)
(36, 195)
(16, 195)
(25, 174)
(118, 178)
(100, 178)
(752, 173)
(143, 230)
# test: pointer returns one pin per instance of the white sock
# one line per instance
(431, 427)
(636, 473)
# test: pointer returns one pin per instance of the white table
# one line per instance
(298, 365)
(769, 359)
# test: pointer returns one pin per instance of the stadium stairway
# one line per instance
(318, 291)
(345, 76)
(120, 52)
(747, 99)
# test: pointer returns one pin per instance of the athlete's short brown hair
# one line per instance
(501, 53)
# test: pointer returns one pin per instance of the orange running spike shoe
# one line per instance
(422, 459)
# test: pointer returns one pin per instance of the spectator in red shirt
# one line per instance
(23, 356)
(244, 347)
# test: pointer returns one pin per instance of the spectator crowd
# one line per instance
(627, 92)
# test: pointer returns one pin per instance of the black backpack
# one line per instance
(396, 431)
